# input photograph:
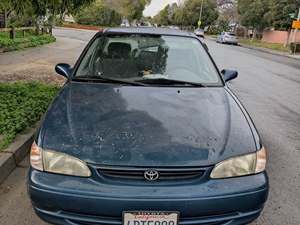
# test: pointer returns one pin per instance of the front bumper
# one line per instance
(71, 200)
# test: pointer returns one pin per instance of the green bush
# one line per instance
(20, 42)
(214, 30)
(22, 105)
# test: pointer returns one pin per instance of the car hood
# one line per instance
(106, 124)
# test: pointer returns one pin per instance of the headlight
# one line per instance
(56, 162)
(241, 166)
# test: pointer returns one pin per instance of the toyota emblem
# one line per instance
(151, 175)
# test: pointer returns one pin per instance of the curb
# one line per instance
(269, 51)
(15, 153)
(79, 29)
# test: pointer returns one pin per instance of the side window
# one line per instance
(87, 64)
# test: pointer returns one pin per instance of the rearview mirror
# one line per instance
(63, 69)
(229, 74)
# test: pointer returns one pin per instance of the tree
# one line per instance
(253, 14)
(163, 17)
(192, 9)
(133, 9)
(187, 14)
(58, 7)
(178, 17)
(260, 14)
(130, 9)
(279, 13)
(98, 14)
(16, 12)
(20, 12)
(19, 7)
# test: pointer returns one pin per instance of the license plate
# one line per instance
(150, 218)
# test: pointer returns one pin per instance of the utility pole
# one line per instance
(295, 33)
(200, 16)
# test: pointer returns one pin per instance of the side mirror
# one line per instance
(229, 74)
(63, 69)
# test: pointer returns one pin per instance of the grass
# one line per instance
(261, 44)
(21, 105)
(20, 42)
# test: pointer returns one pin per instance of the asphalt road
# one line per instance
(269, 87)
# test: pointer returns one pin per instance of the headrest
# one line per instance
(119, 50)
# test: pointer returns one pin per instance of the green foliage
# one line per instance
(21, 42)
(223, 25)
(279, 13)
(22, 105)
(110, 12)
(188, 14)
(214, 30)
(133, 9)
(260, 14)
(24, 12)
(252, 13)
(192, 8)
(99, 15)
(164, 16)
(19, 7)
(58, 7)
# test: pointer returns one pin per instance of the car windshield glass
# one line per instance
(136, 57)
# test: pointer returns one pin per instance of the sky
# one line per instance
(156, 6)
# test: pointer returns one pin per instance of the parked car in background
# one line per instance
(227, 38)
(146, 132)
(199, 33)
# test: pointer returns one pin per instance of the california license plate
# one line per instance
(150, 218)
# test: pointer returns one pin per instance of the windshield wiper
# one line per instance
(166, 81)
(107, 79)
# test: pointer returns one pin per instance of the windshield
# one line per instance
(138, 57)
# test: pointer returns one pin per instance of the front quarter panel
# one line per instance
(253, 128)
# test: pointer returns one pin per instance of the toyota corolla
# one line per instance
(146, 131)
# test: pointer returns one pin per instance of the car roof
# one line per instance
(148, 30)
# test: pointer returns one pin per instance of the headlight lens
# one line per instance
(56, 162)
(241, 166)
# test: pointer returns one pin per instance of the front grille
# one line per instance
(164, 174)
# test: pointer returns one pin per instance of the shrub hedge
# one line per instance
(22, 105)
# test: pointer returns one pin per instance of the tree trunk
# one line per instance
(287, 42)
(254, 34)
(37, 28)
(12, 33)
(5, 18)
